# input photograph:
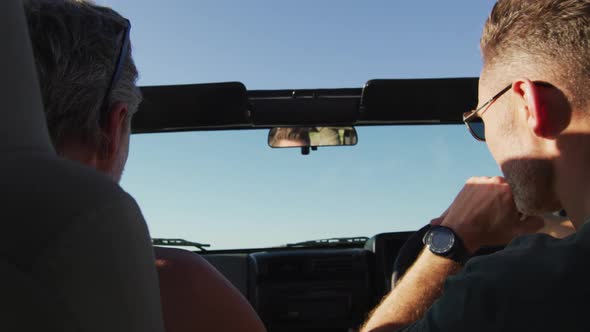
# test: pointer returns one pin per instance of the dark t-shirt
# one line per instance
(538, 283)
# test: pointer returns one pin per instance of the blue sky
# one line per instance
(229, 189)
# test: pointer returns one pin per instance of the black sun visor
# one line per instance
(415, 101)
(189, 107)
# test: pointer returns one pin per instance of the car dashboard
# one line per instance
(312, 289)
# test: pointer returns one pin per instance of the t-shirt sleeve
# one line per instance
(469, 303)
(507, 290)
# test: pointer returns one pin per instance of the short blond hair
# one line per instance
(555, 33)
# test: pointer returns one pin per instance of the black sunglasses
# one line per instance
(474, 121)
(123, 52)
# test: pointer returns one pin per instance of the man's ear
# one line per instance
(533, 103)
(114, 127)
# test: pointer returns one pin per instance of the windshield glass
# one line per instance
(230, 189)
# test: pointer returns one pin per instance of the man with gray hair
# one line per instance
(87, 78)
(88, 83)
(535, 104)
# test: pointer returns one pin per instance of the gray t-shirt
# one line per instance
(538, 283)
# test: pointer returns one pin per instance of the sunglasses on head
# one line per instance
(123, 52)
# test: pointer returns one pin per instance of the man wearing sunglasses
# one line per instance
(534, 115)
(87, 78)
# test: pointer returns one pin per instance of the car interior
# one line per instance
(319, 285)
(327, 285)
(323, 285)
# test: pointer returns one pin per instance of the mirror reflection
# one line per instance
(289, 137)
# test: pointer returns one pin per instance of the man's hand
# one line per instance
(484, 213)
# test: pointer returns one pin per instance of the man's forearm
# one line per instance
(419, 288)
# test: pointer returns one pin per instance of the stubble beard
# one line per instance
(531, 182)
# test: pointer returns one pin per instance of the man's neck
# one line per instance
(89, 158)
(573, 178)
(577, 207)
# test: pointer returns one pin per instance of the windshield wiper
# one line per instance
(333, 242)
(179, 243)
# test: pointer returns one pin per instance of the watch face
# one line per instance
(441, 240)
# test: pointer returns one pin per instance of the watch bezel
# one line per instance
(442, 250)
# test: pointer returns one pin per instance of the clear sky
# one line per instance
(229, 188)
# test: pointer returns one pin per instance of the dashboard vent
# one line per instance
(332, 264)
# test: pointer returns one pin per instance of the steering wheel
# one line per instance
(408, 254)
(413, 247)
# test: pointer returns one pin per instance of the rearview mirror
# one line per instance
(294, 137)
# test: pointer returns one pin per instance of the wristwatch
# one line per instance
(442, 241)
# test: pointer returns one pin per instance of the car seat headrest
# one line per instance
(22, 121)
